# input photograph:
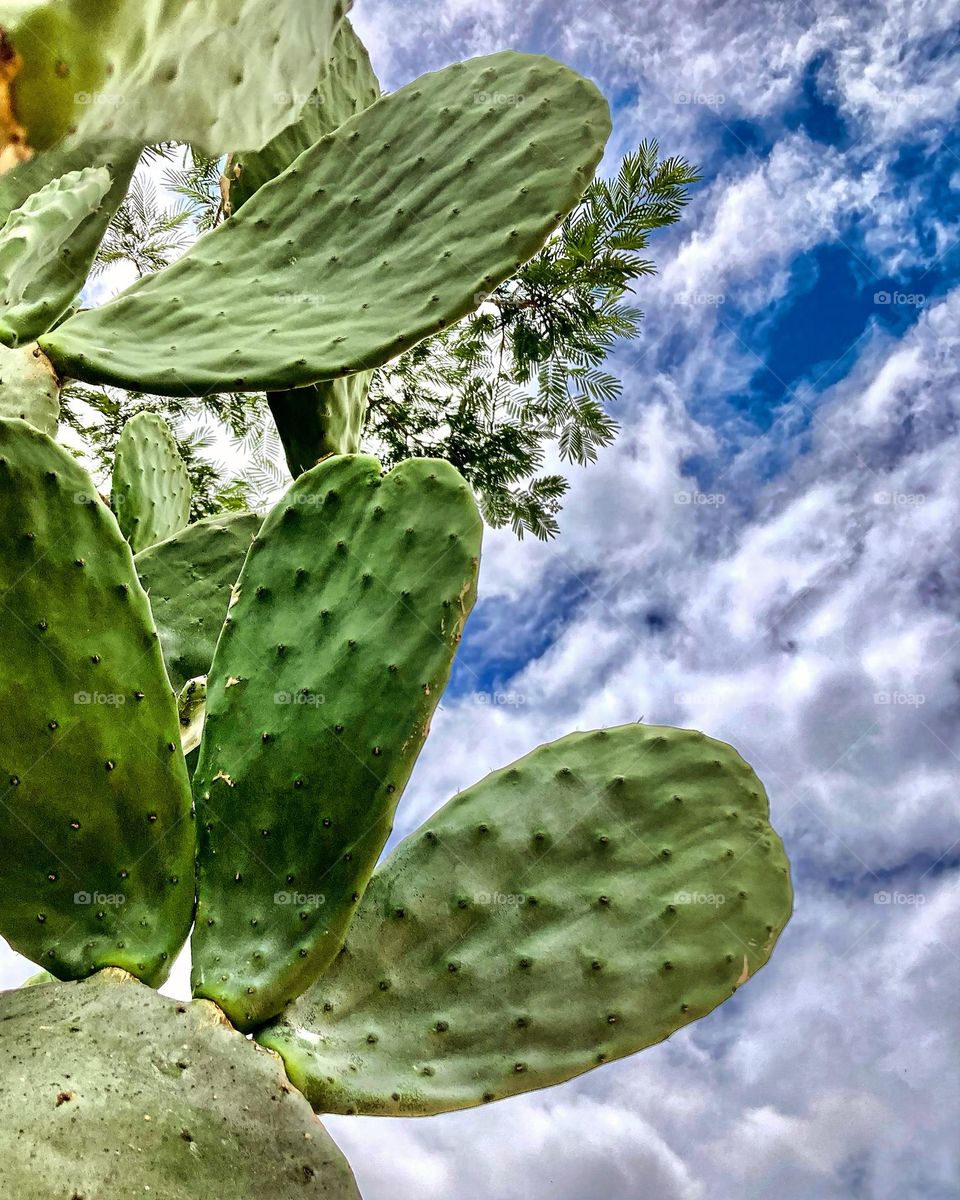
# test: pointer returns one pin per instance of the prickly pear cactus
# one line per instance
(150, 493)
(97, 800)
(544, 922)
(38, 231)
(541, 923)
(358, 585)
(420, 205)
(56, 283)
(347, 86)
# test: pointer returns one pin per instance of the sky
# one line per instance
(769, 553)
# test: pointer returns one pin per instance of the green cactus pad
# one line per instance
(37, 232)
(29, 388)
(96, 801)
(188, 578)
(573, 908)
(391, 228)
(325, 418)
(219, 75)
(55, 287)
(151, 490)
(111, 1090)
(347, 86)
(331, 662)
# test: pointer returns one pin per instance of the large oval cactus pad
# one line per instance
(332, 660)
(189, 578)
(219, 75)
(111, 1090)
(391, 228)
(573, 908)
(151, 489)
(98, 869)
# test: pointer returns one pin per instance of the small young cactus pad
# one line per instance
(585, 902)
(111, 1090)
(55, 286)
(332, 660)
(391, 228)
(36, 232)
(150, 493)
(189, 578)
(95, 817)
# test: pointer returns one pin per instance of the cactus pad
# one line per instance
(325, 418)
(188, 579)
(56, 285)
(29, 388)
(393, 227)
(219, 75)
(331, 662)
(347, 86)
(96, 801)
(36, 232)
(111, 1090)
(575, 907)
(151, 490)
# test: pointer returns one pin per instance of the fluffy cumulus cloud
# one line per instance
(790, 584)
